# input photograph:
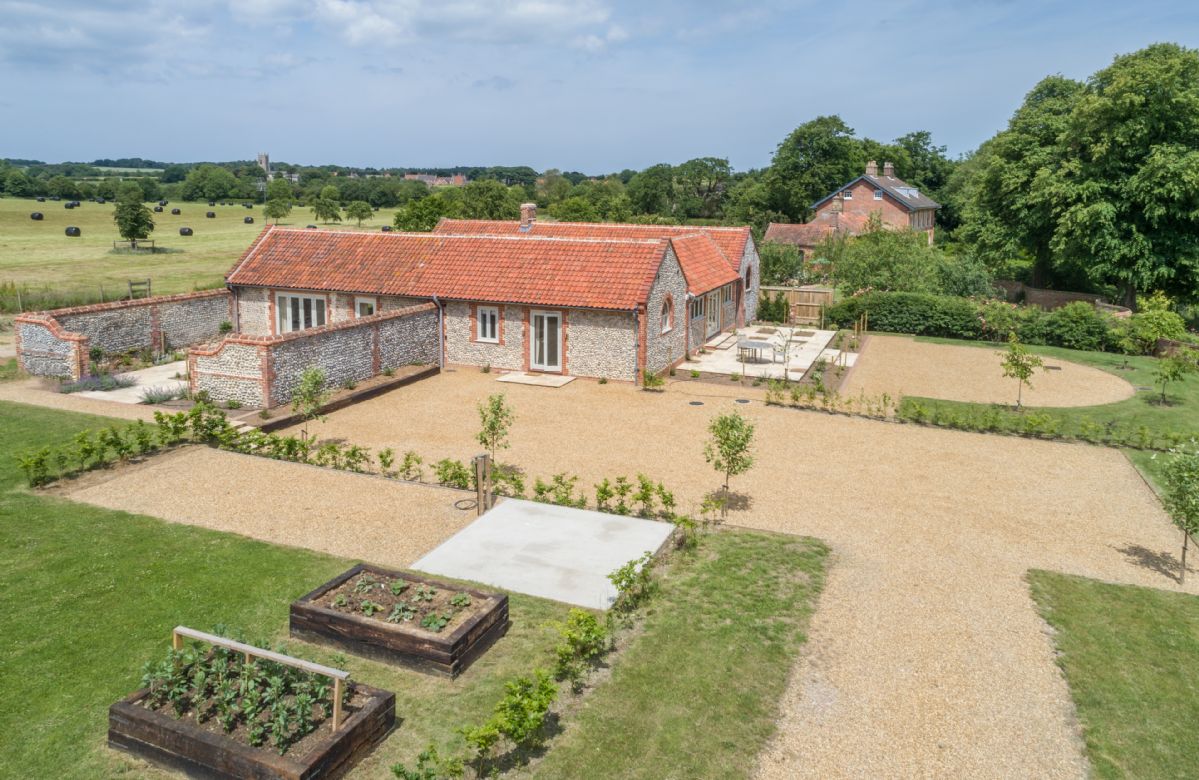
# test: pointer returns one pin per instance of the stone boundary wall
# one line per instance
(57, 343)
(262, 371)
(1019, 292)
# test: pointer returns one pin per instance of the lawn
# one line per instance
(705, 678)
(56, 269)
(1129, 655)
(88, 595)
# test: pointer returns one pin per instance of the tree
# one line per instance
(495, 420)
(1173, 368)
(728, 449)
(1181, 475)
(277, 209)
(1009, 197)
(780, 263)
(575, 209)
(174, 173)
(489, 199)
(133, 218)
(701, 185)
(815, 159)
(326, 206)
(1127, 208)
(1019, 364)
(882, 259)
(209, 182)
(1155, 320)
(62, 187)
(359, 210)
(18, 184)
(422, 215)
(309, 397)
(652, 190)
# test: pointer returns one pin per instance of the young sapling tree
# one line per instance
(1172, 368)
(1020, 364)
(1182, 499)
(495, 420)
(309, 397)
(728, 449)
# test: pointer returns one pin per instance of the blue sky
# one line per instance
(591, 85)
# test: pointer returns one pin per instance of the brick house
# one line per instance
(575, 299)
(847, 211)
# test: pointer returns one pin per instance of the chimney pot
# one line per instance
(889, 170)
(528, 215)
(872, 168)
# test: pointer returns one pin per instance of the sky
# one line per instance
(588, 85)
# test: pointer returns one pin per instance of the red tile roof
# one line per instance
(599, 274)
(806, 234)
(703, 264)
(731, 240)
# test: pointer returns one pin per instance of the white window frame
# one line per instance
(372, 302)
(667, 315)
(480, 318)
(847, 195)
(878, 194)
(697, 308)
(726, 294)
(283, 324)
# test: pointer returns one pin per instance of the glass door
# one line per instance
(712, 304)
(545, 348)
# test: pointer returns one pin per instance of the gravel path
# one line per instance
(900, 365)
(32, 391)
(350, 515)
(927, 657)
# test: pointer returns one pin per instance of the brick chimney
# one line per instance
(872, 168)
(889, 170)
(528, 215)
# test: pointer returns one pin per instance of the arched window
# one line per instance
(667, 314)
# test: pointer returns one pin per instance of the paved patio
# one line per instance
(785, 352)
(544, 550)
(162, 376)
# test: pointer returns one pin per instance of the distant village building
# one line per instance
(848, 210)
(264, 162)
(457, 180)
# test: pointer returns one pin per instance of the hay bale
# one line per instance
(248, 205)
(68, 205)
(36, 216)
(162, 203)
(74, 232)
(158, 209)
(185, 231)
(176, 212)
(212, 203)
(311, 227)
(41, 200)
(387, 228)
(210, 214)
(248, 220)
(99, 200)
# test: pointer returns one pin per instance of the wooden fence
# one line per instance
(805, 305)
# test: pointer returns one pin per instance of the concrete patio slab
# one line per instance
(162, 376)
(545, 550)
(803, 347)
(536, 380)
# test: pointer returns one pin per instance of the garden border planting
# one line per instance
(399, 643)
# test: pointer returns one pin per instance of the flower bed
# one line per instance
(211, 714)
(402, 618)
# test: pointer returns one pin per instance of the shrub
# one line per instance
(652, 381)
(1078, 325)
(634, 583)
(559, 490)
(158, 395)
(773, 310)
(233, 403)
(101, 382)
(519, 718)
(453, 473)
(584, 640)
(507, 481)
(410, 467)
(225, 327)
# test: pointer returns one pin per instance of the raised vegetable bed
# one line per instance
(402, 618)
(217, 714)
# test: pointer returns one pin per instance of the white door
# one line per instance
(545, 348)
(712, 306)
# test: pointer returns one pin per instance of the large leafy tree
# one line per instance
(209, 182)
(133, 218)
(1010, 199)
(421, 216)
(700, 185)
(359, 210)
(652, 190)
(489, 199)
(18, 184)
(1130, 193)
(814, 160)
(326, 206)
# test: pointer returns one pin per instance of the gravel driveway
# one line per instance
(927, 657)
(900, 365)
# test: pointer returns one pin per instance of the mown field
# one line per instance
(52, 269)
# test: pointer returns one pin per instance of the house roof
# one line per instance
(583, 273)
(805, 234)
(704, 265)
(907, 196)
(731, 240)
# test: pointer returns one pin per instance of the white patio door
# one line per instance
(712, 307)
(545, 348)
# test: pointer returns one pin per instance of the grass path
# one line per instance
(1130, 655)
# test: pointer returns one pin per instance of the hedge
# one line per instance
(1076, 325)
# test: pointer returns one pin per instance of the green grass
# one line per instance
(38, 255)
(1130, 655)
(87, 595)
(1180, 416)
(697, 695)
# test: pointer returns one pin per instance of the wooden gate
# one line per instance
(805, 305)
